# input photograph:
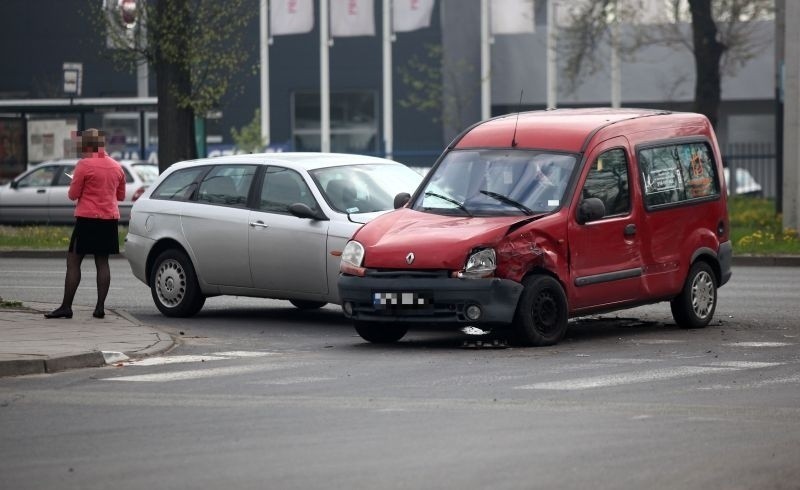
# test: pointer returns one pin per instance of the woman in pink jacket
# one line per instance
(97, 184)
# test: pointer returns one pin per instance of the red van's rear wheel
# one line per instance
(695, 306)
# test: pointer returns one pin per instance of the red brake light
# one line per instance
(138, 193)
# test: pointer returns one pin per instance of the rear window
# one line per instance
(178, 186)
(672, 174)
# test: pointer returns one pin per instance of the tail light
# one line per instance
(138, 193)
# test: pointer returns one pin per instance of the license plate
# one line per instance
(401, 300)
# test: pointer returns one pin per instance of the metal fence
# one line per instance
(754, 167)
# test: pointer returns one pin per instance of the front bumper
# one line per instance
(427, 298)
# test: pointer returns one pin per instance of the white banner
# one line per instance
(410, 15)
(352, 18)
(290, 17)
(122, 19)
(511, 16)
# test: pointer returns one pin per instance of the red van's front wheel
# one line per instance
(541, 317)
(380, 333)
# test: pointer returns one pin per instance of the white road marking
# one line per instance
(757, 344)
(204, 373)
(244, 353)
(755, 384)
(643, 376)
(621, 379)
(214, 356)
(744, 364)
(624, 361)
(292, 381)
(659, 341)
(159, 361)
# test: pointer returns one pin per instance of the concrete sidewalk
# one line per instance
(33, 344)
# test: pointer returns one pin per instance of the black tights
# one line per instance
(73, 279)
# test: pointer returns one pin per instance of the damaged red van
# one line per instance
(529, 219)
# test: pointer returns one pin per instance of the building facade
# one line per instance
(41, 40)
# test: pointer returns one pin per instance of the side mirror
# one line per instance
(303, 211)
(591, 209)
(401, 200)
(14, 184)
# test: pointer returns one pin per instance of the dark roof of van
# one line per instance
(565, 129)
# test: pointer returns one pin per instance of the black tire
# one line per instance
(173, 285)
(542, 313)
(380, 333)
(694, 307)
(307, 305)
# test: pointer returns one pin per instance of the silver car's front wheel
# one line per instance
(173, 285)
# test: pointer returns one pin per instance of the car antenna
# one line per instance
(519, 108)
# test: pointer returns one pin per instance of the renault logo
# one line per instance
(410, 258)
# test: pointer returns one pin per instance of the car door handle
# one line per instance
(260, 224)
(630, 230)
(41, 191)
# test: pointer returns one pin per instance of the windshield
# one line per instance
(497, 182)
(364, 188)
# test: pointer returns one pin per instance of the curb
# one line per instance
(47, 365)
(164, 343)
(19, 367)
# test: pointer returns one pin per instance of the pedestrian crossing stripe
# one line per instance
(610, 380)
(214, 356)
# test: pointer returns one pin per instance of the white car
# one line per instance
(39, 195)
(269, 225)
(746, 184)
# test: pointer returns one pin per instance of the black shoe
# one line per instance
(99, 313)
(61, 312)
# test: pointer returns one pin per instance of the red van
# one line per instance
(529, 219)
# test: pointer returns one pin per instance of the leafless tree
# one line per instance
(723, 36)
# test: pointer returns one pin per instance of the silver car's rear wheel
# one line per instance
(173, 285)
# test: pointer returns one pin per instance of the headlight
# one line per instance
(481, 263)
(353, 253)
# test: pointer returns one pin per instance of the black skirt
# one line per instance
(94, 236)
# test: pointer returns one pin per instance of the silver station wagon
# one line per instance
(267, 225)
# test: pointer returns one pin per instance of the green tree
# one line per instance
(425, 77)
(196, 48)
(723, 38)
(249, 138)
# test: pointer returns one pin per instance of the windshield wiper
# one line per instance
(507, 200)
(450, 200)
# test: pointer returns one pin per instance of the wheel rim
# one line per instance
(703, 294)
(545, 312)
(170, 283)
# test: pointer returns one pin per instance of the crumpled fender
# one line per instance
(520, 252)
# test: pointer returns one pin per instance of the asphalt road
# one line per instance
(261, 395)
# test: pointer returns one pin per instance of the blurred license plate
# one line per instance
(402, 300)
